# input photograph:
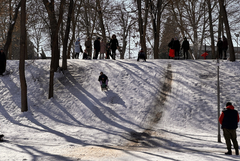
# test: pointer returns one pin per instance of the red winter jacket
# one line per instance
(225, 124)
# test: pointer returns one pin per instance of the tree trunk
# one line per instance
(211, 28)
(225, 19)
(10, 31)
(54, 26)
(100, 15)
(65, 41)
(23, 51)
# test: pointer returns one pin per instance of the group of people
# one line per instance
(175, 44)
(100, 47)
(222, 47)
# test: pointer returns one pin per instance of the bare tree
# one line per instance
(11, 27)
(54, 25)
(225, 19)
(65, 41)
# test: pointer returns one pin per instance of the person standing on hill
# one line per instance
(108, 50)
(225, 47)
(220, 47)
(78, 48)
(114, 46)
(102, 49)
(2, 62)
(141, 55)
(176, 47)
(88, 45)
(185, 47)
(229, 120)
(97, 47)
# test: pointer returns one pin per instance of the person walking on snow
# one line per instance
(2, 62)
(78, 48)
(229, 119)
(185, 47)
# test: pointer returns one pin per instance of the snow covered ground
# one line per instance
(159, 110)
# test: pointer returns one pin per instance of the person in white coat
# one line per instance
(78, 48)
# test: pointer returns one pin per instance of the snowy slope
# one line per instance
(154, 110)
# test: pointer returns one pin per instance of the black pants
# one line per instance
(108, 54)
(114, 54)
(185, 52)
(225, 54)
(141, 57)
(230, 135)
(96, 54)
(220, 54)
(76, 55)
(177, 54)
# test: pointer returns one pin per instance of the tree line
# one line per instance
(54, 25)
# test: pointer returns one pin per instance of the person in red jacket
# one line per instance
(229, 119)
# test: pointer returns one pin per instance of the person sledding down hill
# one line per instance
(103, 79)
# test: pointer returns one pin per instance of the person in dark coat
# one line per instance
(141, 55)
(229, 119)
(108, 50)
(88, 45)
(185, 47)
(114, 46)
(97, 47)
(103, 79)
(86, 55)
(2, 62)
(225, 47)
(176, 47)
(220, 47)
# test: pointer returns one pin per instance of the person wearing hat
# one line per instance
(97, 47)
(103, 79)
(229, 119)
(2, 62)
(185, 47)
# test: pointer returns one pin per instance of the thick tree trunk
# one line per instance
(211, 29)
(225, 20)
(23, 51)
(54, 25)
(65, 41)
(10, 31)
(100, 15)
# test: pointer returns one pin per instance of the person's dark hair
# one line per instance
(228, 104)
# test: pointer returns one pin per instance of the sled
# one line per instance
(1, 137)
(104, 87)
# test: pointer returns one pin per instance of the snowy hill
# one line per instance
(154, 110)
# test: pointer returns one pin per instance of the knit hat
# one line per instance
(228, 104)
